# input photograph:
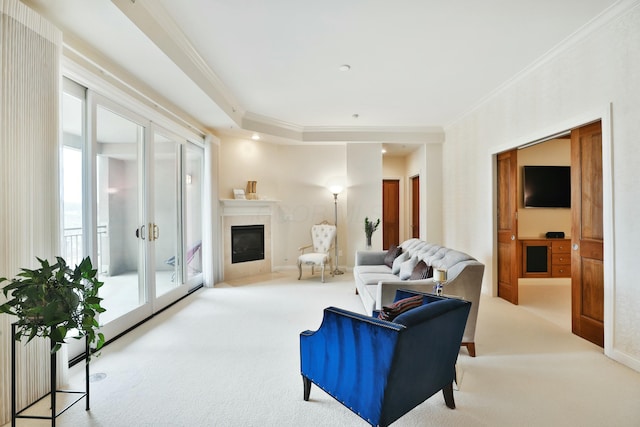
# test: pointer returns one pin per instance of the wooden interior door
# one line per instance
(415, 207)
(587, 238)
(390, 213)
(508, 248)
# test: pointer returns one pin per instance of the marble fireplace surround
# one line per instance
(246, 212)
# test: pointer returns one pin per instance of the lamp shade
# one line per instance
(439, 275)
(335, 189)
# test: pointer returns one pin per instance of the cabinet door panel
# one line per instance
(560, 259)
(563, 246)
(561, 270)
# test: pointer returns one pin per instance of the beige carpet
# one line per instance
(229, 356)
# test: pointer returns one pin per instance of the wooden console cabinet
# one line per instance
(546, 258)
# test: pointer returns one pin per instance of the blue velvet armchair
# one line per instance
(380, 369)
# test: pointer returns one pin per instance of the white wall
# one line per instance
(577, 84)
(296, 176)
(426, 163)
(535, 222)
(432, 166)
(247, 160)
(364, 171)
(303, 174)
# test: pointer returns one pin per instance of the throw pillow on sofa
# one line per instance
(421, 271)
(407, 267)
(392, 311)
(392, 254)
(395, 268)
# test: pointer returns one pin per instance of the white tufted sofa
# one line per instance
(376, 283)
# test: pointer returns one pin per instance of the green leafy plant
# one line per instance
(370, 226)
(55, 299)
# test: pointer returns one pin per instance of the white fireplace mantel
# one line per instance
(246, 212)
(233, 207)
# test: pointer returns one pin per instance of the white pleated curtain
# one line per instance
(30, 53)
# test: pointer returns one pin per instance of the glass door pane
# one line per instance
(193, 193)
(72, 196)
(166, 220)
(132, 200)
(121, 230)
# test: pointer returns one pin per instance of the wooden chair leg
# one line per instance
(471, 348)
(299, 270)
(307, 387)
(447, 391)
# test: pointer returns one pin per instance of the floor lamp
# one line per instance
(336, 189)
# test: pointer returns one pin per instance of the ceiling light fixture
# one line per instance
(383, 151)
(345, 67)
(255, 137)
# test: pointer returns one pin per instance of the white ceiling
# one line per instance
(273, 66)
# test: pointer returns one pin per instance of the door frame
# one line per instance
(121, 324)
(153, 303)
(604, 115)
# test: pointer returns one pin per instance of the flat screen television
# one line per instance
(547, 186)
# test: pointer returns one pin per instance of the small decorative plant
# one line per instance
(369, 228)
(54, 299)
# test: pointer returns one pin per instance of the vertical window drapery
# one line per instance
(30, 55)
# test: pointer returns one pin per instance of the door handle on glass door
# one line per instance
(154, 232)
(140, 232)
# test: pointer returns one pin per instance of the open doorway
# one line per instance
(521, 230)
(549, 297)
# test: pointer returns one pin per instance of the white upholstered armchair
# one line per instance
(322, 236)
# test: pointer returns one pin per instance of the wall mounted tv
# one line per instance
(547, 186)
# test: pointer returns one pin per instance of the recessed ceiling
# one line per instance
(274, 67)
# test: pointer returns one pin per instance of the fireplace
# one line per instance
(242, 215)
(247, 243)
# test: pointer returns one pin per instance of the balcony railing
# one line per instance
(74, 246)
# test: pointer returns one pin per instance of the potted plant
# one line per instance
(369, 228)
(54, 299)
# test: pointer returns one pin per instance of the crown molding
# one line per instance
(433, 135)
(267, 125)
(154, 21)
(89, 68)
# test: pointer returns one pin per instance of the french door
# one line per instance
(132, 201)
